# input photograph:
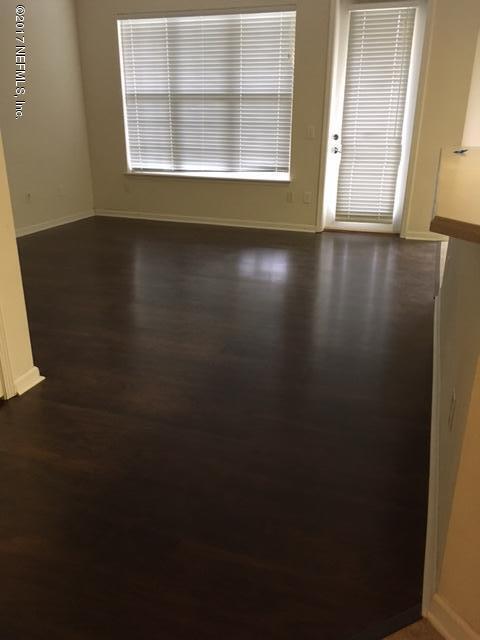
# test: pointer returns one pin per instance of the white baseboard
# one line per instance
(224, 222)
(448, 623)
(424, 235)
(28, 380)
(49, 224)
(365, 227)
(430, 573)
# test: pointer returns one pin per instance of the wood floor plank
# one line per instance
(232, 439)
(421, 630)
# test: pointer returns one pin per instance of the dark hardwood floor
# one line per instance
(232, 440)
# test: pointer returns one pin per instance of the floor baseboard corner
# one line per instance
(28, 380)
(50, 224)
(447, 622)
(391, 625)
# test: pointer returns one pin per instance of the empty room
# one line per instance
(239, 319)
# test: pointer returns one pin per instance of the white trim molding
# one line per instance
(28, 380)
(14, 386)
(9, 388)
(424, 235)
(50, 224)
(447, 621)
(243, 176)
(430, 573)
(223, 222)
(365, 227)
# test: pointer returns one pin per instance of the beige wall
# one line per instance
(218, 199)
(449, 49)
(471, 132)
(17, 370)
(459, 352)
(46, 150)
(448, 60)
(459, 431)
(460, 578)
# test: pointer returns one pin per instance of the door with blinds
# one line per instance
(374, 130)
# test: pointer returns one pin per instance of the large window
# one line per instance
(209, 95)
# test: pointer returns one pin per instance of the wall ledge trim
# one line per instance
(223, 222)
(424, 235)
(28, 380)
(50, 224)
(448, 623)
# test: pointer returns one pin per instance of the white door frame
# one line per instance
(17, 371)
(333, 113)
(7, 382)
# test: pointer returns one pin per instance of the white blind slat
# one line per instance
(209, 93)
(378, 63)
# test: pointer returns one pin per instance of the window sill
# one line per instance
(217, 175)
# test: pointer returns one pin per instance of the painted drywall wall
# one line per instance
(459, 352)
(458, 531)
(448, 58)
(471, 132)
(459, 331)
(46, 149)
(205, 198)
(16, 362)
(449, 53)
(460, 583)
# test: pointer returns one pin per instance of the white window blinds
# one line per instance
(378, 63)
(209, 94)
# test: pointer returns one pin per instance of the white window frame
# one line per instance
(209, 175)
(337, 69)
